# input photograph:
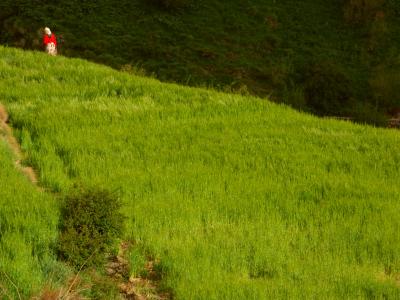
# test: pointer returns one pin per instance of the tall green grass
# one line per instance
(234, 197)
(28, 230)
(265, 47)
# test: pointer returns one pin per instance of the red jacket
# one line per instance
(49, 39)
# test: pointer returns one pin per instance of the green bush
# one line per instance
(90, 223)
(370, 114)
(378, 34)
(171, 4)
(327, 89)
(384, 86)
(294, 97)
(361, 11)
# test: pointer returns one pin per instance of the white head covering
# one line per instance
(47, 31)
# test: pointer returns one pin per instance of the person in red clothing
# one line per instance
(50, 42)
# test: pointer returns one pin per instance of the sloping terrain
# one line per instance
(328, 57)
(233, 197)
(28, 230)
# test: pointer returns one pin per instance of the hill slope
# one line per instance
(302, 53)
(28, 231)
(234, 197)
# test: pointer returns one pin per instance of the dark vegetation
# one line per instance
(90, 223)
(331, 57)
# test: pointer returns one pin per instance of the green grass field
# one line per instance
(236, 197)
(264, 47)
(28, 230)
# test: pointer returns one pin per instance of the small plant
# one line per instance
(361, 11)
(171, 4)
(327, 89)
(101, 287)
(378, 33)
(90, 223)
(134, 70)
(368, 113)
(384, 86)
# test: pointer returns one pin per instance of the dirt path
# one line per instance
(135, 288)
(6, 134)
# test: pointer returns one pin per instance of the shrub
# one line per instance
(361, 11)
(370, 114)
(378, 38)
(134, 70)
(384, 85)
(90, 223)
(171, 4)
(294, 97)
(327, 89)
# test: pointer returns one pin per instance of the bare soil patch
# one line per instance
(135, 288)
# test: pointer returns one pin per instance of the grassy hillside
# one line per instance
(234, 197)
(28, 231)
(328, 57)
